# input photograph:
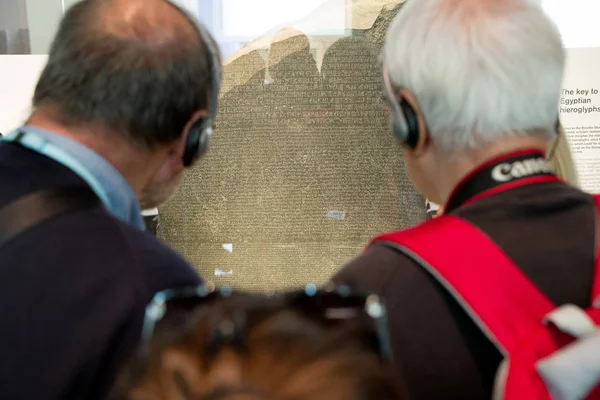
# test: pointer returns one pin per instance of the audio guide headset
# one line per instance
(405, 123)
(201, 130)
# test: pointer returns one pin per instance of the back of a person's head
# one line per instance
(135, 68)
(481, 70)
(278, 355)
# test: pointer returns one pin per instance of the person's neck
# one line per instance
(134, 165)
(456, 167)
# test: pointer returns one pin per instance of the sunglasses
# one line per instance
(334, 305)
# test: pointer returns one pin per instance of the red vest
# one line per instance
(550, 352)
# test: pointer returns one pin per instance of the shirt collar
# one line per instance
(123, 202)
(499, 174)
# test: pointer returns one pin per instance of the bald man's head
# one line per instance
(138, 68)
(152, 22)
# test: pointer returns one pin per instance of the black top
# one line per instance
(546, 227)
(72, 290)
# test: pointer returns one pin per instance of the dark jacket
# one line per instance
(547, 229)
(72, 290)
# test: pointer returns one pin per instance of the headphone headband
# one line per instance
(215, 74)
(201, 131)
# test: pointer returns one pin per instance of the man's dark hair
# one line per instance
(141, 76)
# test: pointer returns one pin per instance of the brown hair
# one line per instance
(285, 355)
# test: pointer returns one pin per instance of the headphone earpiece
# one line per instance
(197, 142)
(412, 124)
(405, 123)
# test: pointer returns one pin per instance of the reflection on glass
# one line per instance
(244, 19)
(14, 31)
(303, 170)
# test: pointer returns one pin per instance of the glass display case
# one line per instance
(303, 169)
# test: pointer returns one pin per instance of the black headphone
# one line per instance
(201, 130)
(405, 123)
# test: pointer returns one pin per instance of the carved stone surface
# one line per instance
(303, 169)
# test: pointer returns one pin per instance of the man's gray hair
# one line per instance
(481, 70)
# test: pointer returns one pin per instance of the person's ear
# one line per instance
(411, 105)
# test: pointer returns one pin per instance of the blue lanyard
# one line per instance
(42, 146)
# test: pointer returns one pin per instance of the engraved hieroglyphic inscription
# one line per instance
(302, 170)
